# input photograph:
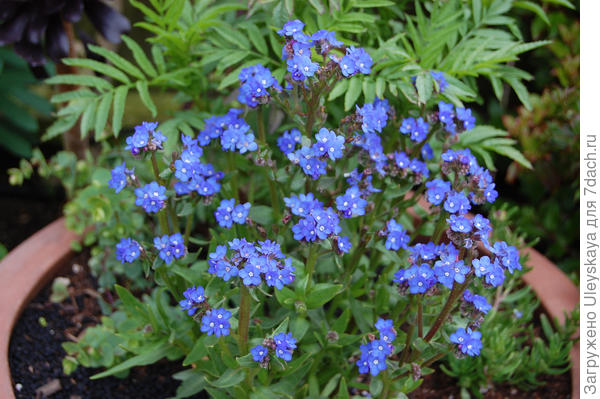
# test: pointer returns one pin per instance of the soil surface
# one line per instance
(441, 386)
(36, 353)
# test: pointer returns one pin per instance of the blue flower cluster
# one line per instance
(455, 121)
(432, 264)
(316, 222)
(297, 52)
(373, 118)
(194, 175)
(170, 247)
(469, 342)
(417, 128)
(252, 263)
(479, 302)
(312, 159)
(228, 213)
(192, 297)
(407, 166)
(351, 203)
(233, 131)
(282, 345)
(128, 250)
(288, 140)
(373, 355)
(119, 176)
(396, 236)
(151, 197)
(145, 138)
(216, 322)
(256, 82)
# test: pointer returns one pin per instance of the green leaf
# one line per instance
(424, 87)
(354, 89)
(71, 95)
(117, 61)
(373, 3)
(97, 66)
(192, 382)
(318, 5)
(88, 117)
(119, 108)
(80, 80)
(261, 214)
(197, 353)
(142, 88)
(102, 114)
(528, 5)
(257, 39)
(380, 87)
(339, 89)
(61, 125)
(521, 91)
(131, 303)
(150, 354)
(342, 390)
(229, 379)
(565, 3)
(158, 58)
(321, 294)
(513, 154)
(282, 327)
(140, 56)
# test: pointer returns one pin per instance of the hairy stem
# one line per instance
(262, 136)
(420, 315)
(244, 319)
(456, 293)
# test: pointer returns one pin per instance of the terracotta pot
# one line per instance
(25, 271)
(30, 266)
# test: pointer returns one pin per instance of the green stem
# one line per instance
(409, 338)
(173, 215)
(420, 315)
(456, 293)
(244, 319)
(439, 227)
(313, 254)
(262, 136)
(189, 222)
(162, 219)
(387, 382)
(233, 172)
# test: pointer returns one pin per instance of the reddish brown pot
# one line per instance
(30, 266)
(25, 271)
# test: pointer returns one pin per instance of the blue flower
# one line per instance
(482, 266)
(508, 256)
(128, 250)
(193, 296)
(356, 60)
(326, 40)
(256, 82)
(351, 203)
(495, 275)
(420, 279)
(417, 129)
(145, 138)
(446, 116)
(440, 80)
(460, 224)
(118, 179)
(396, 236)
(225, 270)
(437, 190)
(343, 244)
(291, 28)
(374, 115)
(305, 229)
(386, 330)
(457, 203)
(284, 346)
(427, 152)
(259, 353)
(151, 197)
(402, 160)
(250, 275)
(465, 115)
(479, 302)
(328, 143)
(287, 142)
(469, 342)
(170, 247)
(240, 213)
(223, 213)
(301, 67)
(216, 322)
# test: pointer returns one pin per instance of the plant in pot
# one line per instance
(287, 264)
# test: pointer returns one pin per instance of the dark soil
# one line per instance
(36, 353)
(441, 386)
